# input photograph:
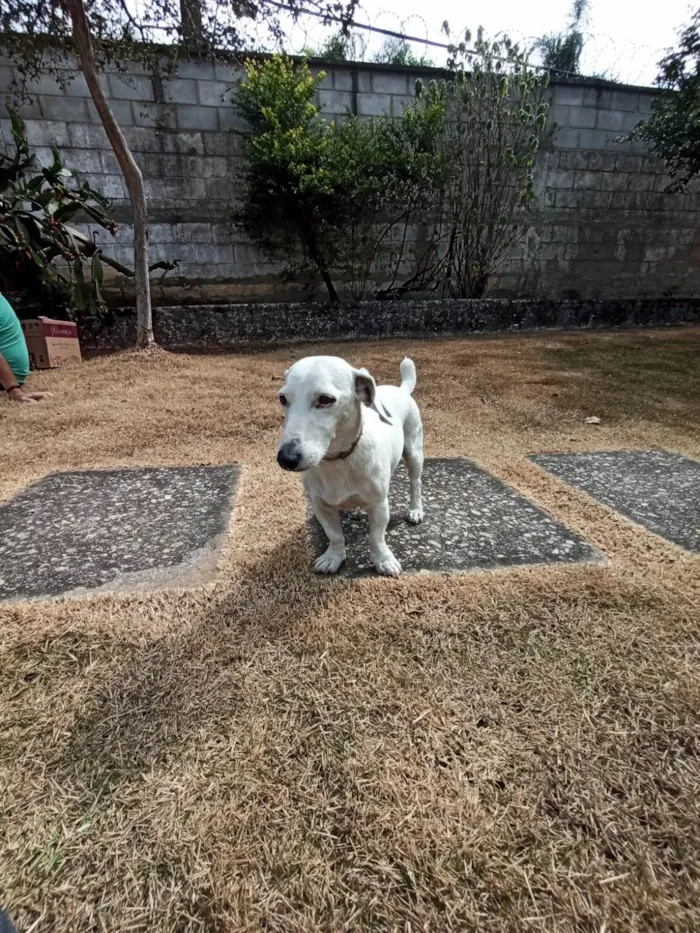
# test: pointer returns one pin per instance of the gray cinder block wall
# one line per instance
(601, 224)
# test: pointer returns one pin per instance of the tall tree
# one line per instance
(673, 130)
(37, 34)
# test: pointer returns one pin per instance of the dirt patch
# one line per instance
(508, 751)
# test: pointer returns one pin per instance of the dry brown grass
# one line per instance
(505, 751)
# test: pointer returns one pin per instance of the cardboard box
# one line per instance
(51, 343)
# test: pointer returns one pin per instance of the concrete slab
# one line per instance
(473, 522)
(101, 530)
(654, 488)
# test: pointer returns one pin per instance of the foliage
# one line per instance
(495, 120)
(673, 130)
(399, 52)
(42, 257)
(343, 46)
(334, 194)
(156, 33)
(561, 52)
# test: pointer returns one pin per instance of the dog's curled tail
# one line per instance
(408, 375)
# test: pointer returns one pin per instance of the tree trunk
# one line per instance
(191, 21)
(310, 239)
(130, 170)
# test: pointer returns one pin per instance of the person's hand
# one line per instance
(28, 398)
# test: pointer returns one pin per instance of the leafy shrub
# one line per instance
(43, 259)
(673, 130)
(333, 194)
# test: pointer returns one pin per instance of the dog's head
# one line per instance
(321, 398)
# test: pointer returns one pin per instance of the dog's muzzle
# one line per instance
(289, 455)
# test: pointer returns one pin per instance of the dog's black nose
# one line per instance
(289, 455)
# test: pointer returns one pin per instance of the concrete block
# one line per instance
(373, 105)
(601, 161)
(563, 234)
(631, 121)
(131, 87)
(111, 186)
(70, 109)
(122, 110)
(399, 104)
(230, 119)
(155, 115)
(197, 118)
(161, 233)
(560, 178)
(77, 86)
(28, 110)
(587, 181)
(336, 102)
(192, 233)
(615, 181)
(645, 103)
(592, 139)
(85, 160)
(141, 139)
(221, 144)
(364, 82)
(222, 189)
(85, 136)
(566, 138)
(183, 143)
(202, 253)
(625, 100)
(573, 160)
(214, 93)
(611, 120)
(230, 71)
(639, 182)
(387, 83)
(584, 117)
(622, 200)
(48, 133)
(325, 74)
(342, 79)
(196, 70)
(568, 95)
(180, 91)
(558, 115)
(629, 163)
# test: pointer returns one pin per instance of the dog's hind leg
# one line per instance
(334, 555)
(413, 458)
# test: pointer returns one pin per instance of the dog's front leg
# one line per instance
(334, 555)
(382, 558)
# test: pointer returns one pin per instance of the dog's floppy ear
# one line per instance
(366, 392)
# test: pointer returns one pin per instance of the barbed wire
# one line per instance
(631, 64)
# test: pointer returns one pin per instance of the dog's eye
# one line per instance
(325, 401)
(283, 399)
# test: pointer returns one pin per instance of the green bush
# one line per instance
(43, 260)
(673, 130)
(341, 199)
(334, 195)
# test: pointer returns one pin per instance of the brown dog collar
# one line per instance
(346, 453)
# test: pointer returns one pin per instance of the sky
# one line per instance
(624, 38)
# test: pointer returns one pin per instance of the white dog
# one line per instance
(347, 435)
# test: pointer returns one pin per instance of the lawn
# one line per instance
(500, 751)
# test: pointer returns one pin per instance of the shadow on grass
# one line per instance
(191, 679)
(656, 377)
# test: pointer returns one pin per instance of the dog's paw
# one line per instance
(329, 561)
(388, 566)
(415, 516)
